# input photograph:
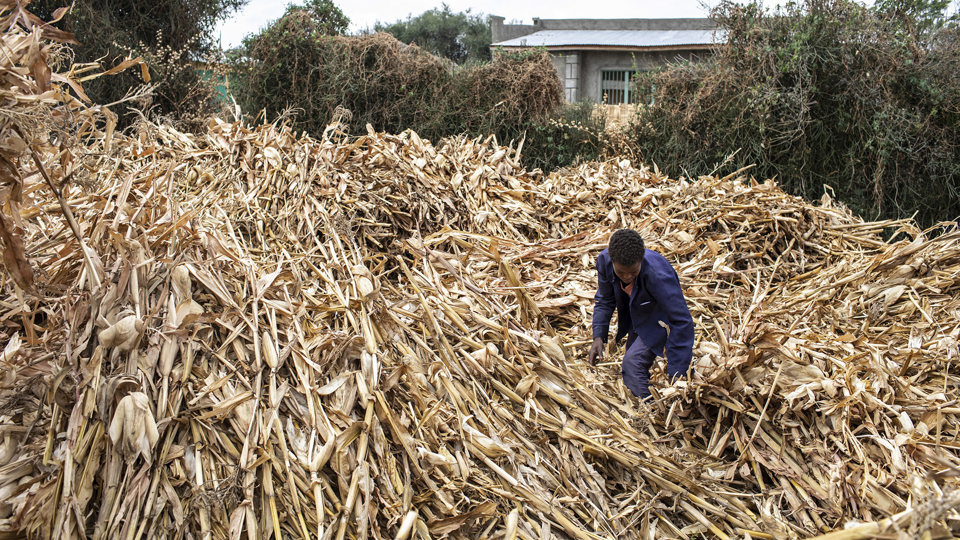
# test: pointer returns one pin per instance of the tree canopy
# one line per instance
(314, 17)
(918, 15)
(171, 35)
(461, 37)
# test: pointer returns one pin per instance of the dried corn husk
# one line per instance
(379, 336)
(133, 428)
(124, 334)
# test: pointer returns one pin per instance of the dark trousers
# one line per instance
(636, 366)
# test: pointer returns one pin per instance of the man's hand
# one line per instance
(596, 351)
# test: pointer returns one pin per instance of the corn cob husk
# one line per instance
(382, 337)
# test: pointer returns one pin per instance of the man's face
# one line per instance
(627, 274)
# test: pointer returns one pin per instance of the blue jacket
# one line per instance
(656, 296)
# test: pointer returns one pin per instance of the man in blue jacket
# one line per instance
(645, 290)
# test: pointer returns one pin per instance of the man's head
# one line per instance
(626, 252)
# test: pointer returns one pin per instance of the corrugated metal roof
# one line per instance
(611, 38)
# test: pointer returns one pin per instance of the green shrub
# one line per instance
(504, 96)
(572, 135)
(174, 37)
(381, 81)
(387, 84)
(821, 92)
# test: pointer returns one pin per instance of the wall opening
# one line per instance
(615, 86)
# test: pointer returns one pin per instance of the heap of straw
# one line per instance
(251, 334)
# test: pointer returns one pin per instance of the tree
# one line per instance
(461, 37)
(321, 17)
(285, 65)
(171, 35)
(918, 15)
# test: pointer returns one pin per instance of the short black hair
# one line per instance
(626, 247)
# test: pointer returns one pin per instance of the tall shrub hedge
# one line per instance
(820, 92)
(388, 84)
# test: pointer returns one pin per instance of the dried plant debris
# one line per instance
(254, 334)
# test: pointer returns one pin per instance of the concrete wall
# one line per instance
(569, 71)
(579, 71)
(590, 64)
(559, 63)
(502, 32)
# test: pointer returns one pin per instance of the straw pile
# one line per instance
(616, 116)
(252, 334)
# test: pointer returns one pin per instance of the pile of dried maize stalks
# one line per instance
(252, 334)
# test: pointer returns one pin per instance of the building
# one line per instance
(596, 58)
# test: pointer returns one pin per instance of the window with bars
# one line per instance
(615, 86)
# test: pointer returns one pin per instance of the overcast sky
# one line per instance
(364, 13)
